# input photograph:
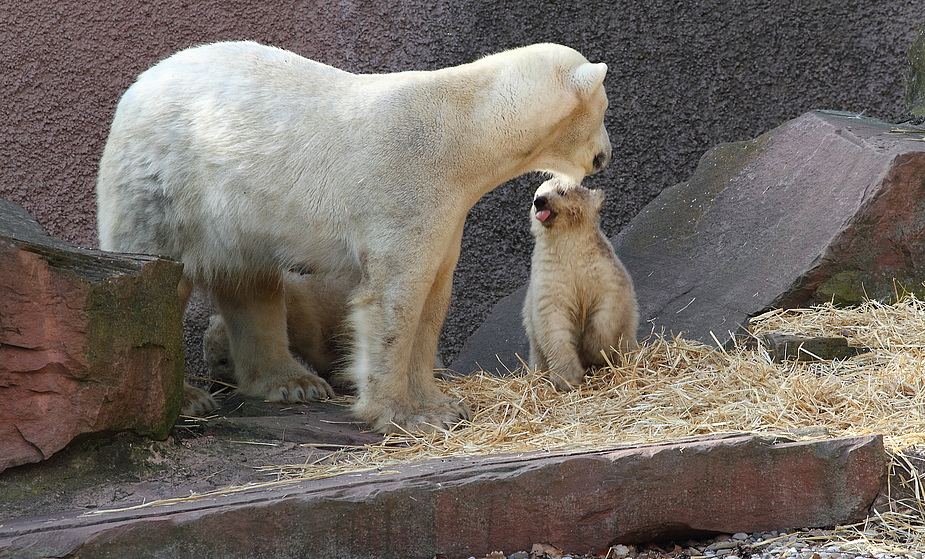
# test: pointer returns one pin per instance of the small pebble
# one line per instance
(519, 555)
(726, 544)
(740, 536)
(620, 551)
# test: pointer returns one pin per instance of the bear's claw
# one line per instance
(309, 388)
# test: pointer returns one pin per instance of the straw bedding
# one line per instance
(674, 388)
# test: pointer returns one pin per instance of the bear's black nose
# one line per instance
(600, 161)
(540, 202)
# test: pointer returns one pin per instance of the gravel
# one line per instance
(814, 544)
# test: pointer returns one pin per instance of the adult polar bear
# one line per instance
(244, 161)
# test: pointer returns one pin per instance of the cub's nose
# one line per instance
(540, 202)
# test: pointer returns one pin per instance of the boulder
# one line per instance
(828, 206)
(787, 347)
(469, 506)
(90, 342)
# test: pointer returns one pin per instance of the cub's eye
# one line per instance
(561, 192)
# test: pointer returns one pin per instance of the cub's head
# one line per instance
(560, 205)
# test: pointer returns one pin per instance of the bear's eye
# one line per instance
(561, 192)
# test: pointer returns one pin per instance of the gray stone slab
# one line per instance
(579, 501)
(826, 206)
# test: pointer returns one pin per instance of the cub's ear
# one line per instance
(589, 77)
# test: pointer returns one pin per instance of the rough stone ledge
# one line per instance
(581, 501)
(90, 342)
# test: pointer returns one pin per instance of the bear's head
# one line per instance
(562, 205)
(575, 103)
(551, 102)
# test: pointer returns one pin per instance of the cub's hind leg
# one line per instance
(196, 401)
(255, 320)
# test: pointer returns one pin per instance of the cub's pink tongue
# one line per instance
(542, 215)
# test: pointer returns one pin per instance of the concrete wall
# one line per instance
(684, 77)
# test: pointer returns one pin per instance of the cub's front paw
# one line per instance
(197, 402)
(390, 417)
(565, 382)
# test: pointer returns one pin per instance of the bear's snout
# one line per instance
(600, 161)
(540, 202)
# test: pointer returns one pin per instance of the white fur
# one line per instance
(243, 161)
(580, 303)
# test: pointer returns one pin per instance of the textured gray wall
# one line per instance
(684, 77)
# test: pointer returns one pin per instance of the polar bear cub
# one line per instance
(580, 301)
(245, 161)
(316, 323)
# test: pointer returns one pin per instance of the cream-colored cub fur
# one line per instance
(580, 300)
(316, 316)
(316, 322)
(244, 161)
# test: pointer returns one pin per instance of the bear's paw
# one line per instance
(388, 417)
(287, 382)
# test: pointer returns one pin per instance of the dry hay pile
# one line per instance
(675, 388)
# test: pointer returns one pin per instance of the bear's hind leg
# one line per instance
(612, 328)
(255, 320)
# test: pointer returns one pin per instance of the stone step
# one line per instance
(470, 506)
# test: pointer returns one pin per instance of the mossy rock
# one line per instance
(915, 75)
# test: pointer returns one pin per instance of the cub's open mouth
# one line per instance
(545, 216)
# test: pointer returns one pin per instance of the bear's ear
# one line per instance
(589, 77)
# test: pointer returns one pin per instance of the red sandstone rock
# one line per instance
(89, 342)
(463, 507)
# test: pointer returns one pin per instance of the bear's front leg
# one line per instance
(394, 375)
(255, 320)
(424, 352)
